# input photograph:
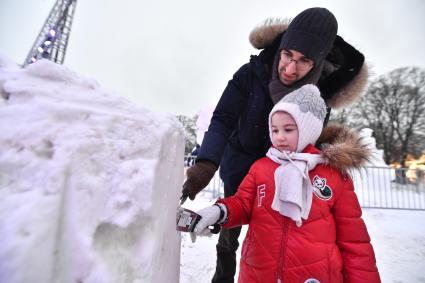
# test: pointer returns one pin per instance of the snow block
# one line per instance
(372, 182)
(89, 182)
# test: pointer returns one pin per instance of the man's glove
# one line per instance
(198, 177)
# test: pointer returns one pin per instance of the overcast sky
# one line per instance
(177, 56)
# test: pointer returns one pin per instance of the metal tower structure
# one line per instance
(52, 40)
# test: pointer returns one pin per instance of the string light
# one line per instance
(43, 49)
(52, 40)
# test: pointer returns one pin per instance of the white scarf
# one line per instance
(293, 192)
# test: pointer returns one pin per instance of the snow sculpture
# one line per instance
(89, 183)
(373, 183)
(377, 154)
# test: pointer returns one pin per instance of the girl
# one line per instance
(304, 218)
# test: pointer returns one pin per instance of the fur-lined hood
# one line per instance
(345, 73)
(343, 148)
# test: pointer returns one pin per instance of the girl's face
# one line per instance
(284, 132)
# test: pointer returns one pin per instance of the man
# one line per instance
(307, 51)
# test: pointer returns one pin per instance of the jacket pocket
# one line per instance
(335, 265)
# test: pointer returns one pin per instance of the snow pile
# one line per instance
(89, 183)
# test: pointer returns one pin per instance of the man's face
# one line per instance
(293, 66)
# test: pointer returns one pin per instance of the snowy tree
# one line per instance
(394, 108)
(189, 125)
(342, 116)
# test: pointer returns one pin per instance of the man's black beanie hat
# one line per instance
(312, 32)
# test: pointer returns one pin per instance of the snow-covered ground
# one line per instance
(398, 237)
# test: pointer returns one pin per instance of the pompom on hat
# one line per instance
(308, 109)
(312, 32)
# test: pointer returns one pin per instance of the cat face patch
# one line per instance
(321, 190)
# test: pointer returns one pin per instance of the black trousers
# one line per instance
(226, 255)
(226, 247)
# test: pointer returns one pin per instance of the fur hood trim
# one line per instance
(343, 148)
(265, 34)
(352, 91)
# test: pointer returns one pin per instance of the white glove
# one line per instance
(210, 216)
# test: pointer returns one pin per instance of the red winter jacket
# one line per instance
(333, 245)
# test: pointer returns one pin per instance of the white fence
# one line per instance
(385, 187)
(376, 187)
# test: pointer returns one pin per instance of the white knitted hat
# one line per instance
(308, 109)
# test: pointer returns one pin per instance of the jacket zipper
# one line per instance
(282, 250)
